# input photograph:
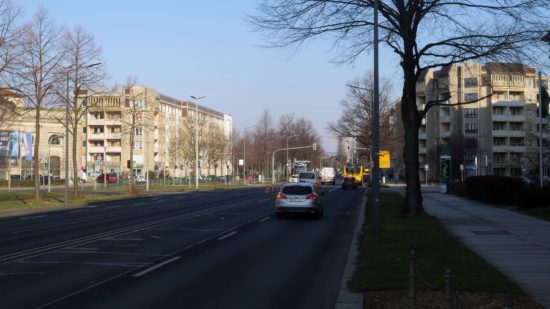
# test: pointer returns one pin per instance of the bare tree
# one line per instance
(216, 147)
(134, 121)
(422, 33)
(356, 118)
(35, 73)
(83, 74)
(188, 138)
(9, 34)
(264, 136)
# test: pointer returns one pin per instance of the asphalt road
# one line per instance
(222, 249)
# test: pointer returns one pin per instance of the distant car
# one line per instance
(299, 197)
(349, 182)
(309, 177)
(111, 178)
(327, 175)
(140, 179)
(293, 178)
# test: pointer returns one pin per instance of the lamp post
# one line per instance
(287, 138)
(69, 69)
(244, 152)
(197, 140)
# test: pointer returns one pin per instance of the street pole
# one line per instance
(104, 169)
(286, 164)
(376, 132)
(197, 140)
(540, 128)
(49, 168)
(67, 143)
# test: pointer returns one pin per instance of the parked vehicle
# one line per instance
(140, 178)
(111, 178)
(327, 175)
(300, 197)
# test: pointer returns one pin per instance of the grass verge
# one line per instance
(383, 262)
(540, 212)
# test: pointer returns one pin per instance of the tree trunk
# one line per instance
(75, 161)
(35, 159)
(411, 122)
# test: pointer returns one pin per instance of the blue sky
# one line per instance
(206, 48)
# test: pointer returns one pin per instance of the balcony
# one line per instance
(113, 135)
(112, 122)
(444, 119)
(509, 103)
(507, 148)
(111, 149)
(508, 133)
(509, 118)
(96, 136)
(96, 149)
(445, 134)
(96, 122)
(422, 150)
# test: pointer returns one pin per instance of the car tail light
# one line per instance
(312, 197)
(281, 196)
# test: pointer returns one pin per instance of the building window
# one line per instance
(84, 130)
(470, 97)
(137, 145)
(470, 127)
(470, 113)
(139, 131)
(470, 82)
(83, 143)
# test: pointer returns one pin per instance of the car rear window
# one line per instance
(307, 176)
(297, 190)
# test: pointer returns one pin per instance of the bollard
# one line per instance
(412, 280)
(448, 291)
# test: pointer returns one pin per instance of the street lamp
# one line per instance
(197, 140)
(69, 69)
(244, 152)
(287, 138)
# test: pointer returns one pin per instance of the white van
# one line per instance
(328, 175)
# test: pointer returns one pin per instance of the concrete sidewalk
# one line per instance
(516, 244)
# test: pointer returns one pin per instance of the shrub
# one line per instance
(506, 190)
(494, 189)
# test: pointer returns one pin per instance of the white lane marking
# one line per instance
(264, 219)
(227, 235)
(34, 217)
(156, 237)
(77, 211)
(140, 204)
(333, 189)
(22, 273)
(150, 269)
(109, 207)
(82, 248)
(124, 239)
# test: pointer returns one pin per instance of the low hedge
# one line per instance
(504, 190)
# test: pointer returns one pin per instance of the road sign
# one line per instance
(384, 159)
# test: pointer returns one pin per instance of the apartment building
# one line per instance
(158, 123)
(495, 134)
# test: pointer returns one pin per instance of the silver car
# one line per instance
(300, 197)
(309, 177)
